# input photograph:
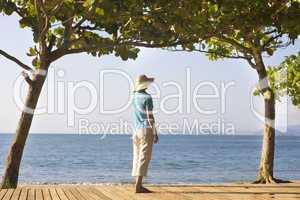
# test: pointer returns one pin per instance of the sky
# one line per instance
(83, 93)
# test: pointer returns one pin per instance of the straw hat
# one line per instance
(142, 82)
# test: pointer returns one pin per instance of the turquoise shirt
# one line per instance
(141, 101)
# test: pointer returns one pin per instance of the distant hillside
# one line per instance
(293, 130)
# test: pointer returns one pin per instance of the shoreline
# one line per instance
(235, 183)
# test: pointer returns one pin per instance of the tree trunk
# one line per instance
(265, 172)
(14, 157)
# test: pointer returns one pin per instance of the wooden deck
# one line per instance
(160, 192)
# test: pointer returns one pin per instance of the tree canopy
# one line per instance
(98, 27)
(232, 28)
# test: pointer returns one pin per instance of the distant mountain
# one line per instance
(292, 130)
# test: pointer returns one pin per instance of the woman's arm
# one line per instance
(151, 121)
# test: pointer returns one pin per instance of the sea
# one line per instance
(87, 159)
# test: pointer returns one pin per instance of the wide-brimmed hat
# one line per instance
(142, 82)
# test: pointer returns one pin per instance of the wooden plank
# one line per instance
(31, 194)
(39, 194)
(211, 193)
(2, 193)
(46, 194)
(166, 194)
(16, 194)
(275, 190)
(88, 192)
(69, 193)
(77, 194)
(130, 192)
(244, 193)
(183, 192)
(8, 194)
(23, 195)
(88, 195)
(98, 193)
(53, 193)
(112, 195)
(115, 192)
(61, 194)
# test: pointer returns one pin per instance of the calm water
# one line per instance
(177, 159)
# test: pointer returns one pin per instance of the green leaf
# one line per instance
(59, 31)
(99, 11)
(9, 8)
(36, 63)
(88, 3)
(25, 22)
(32, 52)
(270, 51)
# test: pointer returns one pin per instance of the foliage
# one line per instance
(285, 78)
(97, 27)
(220, 28)
(230, 28)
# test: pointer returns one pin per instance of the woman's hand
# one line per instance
(154, 132)
(156, 139)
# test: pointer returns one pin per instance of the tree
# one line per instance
(60, 28)
(285, 78)
(254, 29)
(237, 29)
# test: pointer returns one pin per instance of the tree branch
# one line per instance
(64, 50)
(91, 28)
(14, 59)
(27, 78)
(149, 45)
(43, 25)
(68, 31)
(211, 52)
(58, 53)
(79, 23)
(51, 42)
(84, 18)
(249, 60)
(269, 31)
(234, 43)
(56, 8)
(285, 45)
(271, 39)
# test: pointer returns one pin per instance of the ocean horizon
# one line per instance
(77, 159)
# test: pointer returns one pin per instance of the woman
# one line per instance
(145, 133)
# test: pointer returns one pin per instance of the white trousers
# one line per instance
(142, 151)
